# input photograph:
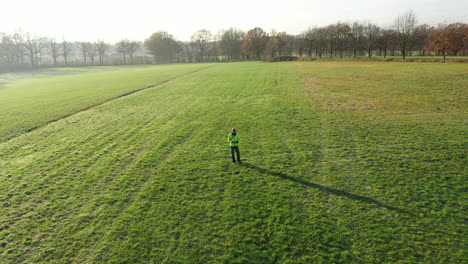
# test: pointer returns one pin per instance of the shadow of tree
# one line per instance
(326, 189)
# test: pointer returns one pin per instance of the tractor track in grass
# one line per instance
(31, 129)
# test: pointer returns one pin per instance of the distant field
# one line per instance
(399, 57)
(344, 162)
(424, 57)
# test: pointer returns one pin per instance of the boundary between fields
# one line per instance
(28, 130)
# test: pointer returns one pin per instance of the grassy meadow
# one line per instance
(28, 103)
(343, 162)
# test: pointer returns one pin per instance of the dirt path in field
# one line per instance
(101, 103)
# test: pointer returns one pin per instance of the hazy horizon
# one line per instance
(115, 20)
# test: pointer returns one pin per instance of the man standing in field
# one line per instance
(233, 140)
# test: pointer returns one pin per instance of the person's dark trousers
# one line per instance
(236, 148)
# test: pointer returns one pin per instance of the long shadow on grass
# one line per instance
(327, 189)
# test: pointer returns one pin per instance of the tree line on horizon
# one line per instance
(23, 50)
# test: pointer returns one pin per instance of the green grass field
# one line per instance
(344, 162)
(425, 57)
(28, 103)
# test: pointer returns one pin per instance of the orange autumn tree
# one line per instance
(456, 34)
(437, 42)
(254, 42)
(448, 38)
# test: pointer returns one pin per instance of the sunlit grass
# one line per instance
(344, 162)
(31, 102)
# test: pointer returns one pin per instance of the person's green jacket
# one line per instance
(233, 140)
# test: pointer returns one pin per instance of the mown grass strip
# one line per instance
(103, 102)
(29, 103)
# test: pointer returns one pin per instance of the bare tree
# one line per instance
(122, 48)
(356, 38)
(12, 50)
(53, 49)
(329, 35)
(187, 50)
(385, 40)
(338, 35)
(33, 45)
(231, 41)
(83, 47)
(6, 57)
(18, 47)
(301, 44)
(200, 40)
(290, 44)
(309, 38)
(179, 50)
(101, 48)
(322, 37)
(132, 47)
(213, 50)
(67, 48)
(272, 44)
(371, 34)
(405, 26)
(91, 51)
(8, 50)
(421, 37)
(282, 38)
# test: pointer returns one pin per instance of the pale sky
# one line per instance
(113, 20)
